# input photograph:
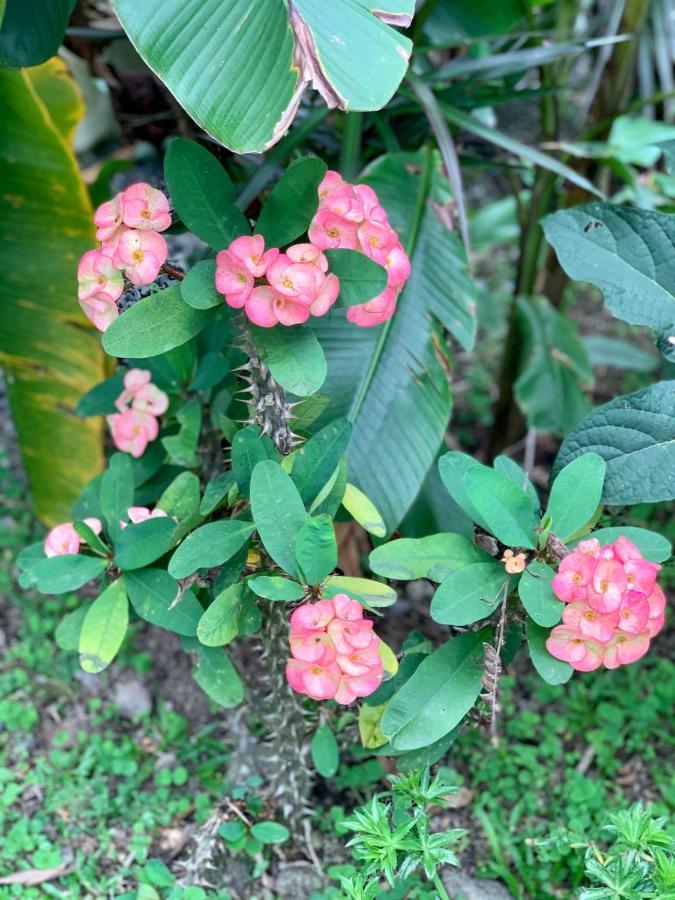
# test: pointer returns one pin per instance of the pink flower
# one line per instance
(141, 394)
(397, 264)
(589, 622)
(266, 308)
(372, 211)
(145, 208)
(574, 574)
(137, 514)
(317, 681)
(64, 540)
(375, 311)
(328, 231)
(100, 310)
(350, 635)
(250, 251)
(634, 613)
(108, 218)
(570, 645)
(625, 649)
(316, 647)
(132, 430)
(625, 550)
(294, 280)
(326, 296)
(330, 182)
(312, 616)
(141, 254)
(640, 574)
(607, 586)
(97, 276)
(346, 608)
(376, 239)
(233, 279)
(361, 662)
(308, 253)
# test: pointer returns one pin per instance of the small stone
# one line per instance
(132, 698)
(463, 887)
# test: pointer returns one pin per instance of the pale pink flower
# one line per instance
(100, 311)
(640, 574)
(375, 311)
(625, 649)
(317, 681)
(350, 635)
(97, 276)
(360, 662)
(372, 210)
(308, 253)
(607, 586)
(141, 254)
(132, 430)
(233, 279)
(345, 202)
(589, 622)
(634, 613)
(137, 514)
(134, 380)
(108, 218)
(624, 550)
(63, 540)
(295, 280)
(326, 296)
(570, 645)
(330, 182)
(346, 608)
(315, 647)
(362, 685)
(328, 231)
(265, 307)
(312, 616)
(250, 251)
(376, 239)
(573, 575)
(145, 208)
(397, 264)
(657, 602)
(151, 399)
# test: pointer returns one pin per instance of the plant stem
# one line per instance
(438, 884)
(350, 153)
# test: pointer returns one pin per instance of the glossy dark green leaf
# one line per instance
(100, 400)
(219, 623)
(208, 546)
(316, 549)
(361, 278)
(575, 495)
(278, 513)
(59, 574)
(409, 558)
(139, 545)
(153, 594)
(215, 492)
(502, 505)
(182, 447)
(117, 489)
(32, 31)
(289, 209)
(249, 448)
(536, 594)
(317, 459)
(198, 288)
(470, 594)
(294, 357)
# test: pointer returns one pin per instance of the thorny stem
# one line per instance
(494, 705)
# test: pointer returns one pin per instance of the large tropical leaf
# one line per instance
(240, 68)
(49, 354)
(391, 381)
(32, 30)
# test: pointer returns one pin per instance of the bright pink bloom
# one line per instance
(625, 649)
(346, 608)
(376, 239)
(100, 311)
(363, 685)
(372, 210)
(634, 613)
(350, 635)
(589, 622)
(250, 251)
(330, 182)
(145, 207)
(294, 280)
(151, 399)
(308, 253)
(360, 662)
(326, 296)
(97, 276)
(312, 617)
(328, 231)
(64, 540)
(375, 311)
(141, 254)
(397, 264)
(317, 681)
(640, 575)
(570, 645)
(132, 430)
(574, 574)
(657, 602)
(233, 279)
(137, 514)
(265, 307)
(607, 586)
(315, 647)
(624, 550)
(108, 218)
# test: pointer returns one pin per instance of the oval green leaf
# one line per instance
(534, 589)
(325, 751)
(210, 545)
(575, 495)
(469, 595)
(104, 628)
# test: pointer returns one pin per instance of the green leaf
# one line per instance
(208, 546)
(361, 278)
(434, 556)
(553, 367)
(153, 593)
(454, 23)
(90, 538)
(216, 675)
(30, 555)
(154, 325)
(325, 751)
(293, 356)
(608, 352)
(363, 511)
(276, 587)
(438, 695)
(316, 549)
(139, 545)
(59, 574)
(219, 623)
(654, 547)
(308, 411)
(635, 435)
(201, 191)
(469, 595)
(32, 30)
(215, 492)
(104, 628)
(453, 468)
(249, 448)
(198, 288)
(621, 251)
(289, 209)
(552, 670)
(278, 513)
(518, 476)
(49, 354)
(67, 634)
(391, 381)
(317, 459)
(182, 447)
(534, 589)
(505, 508)
(575, 495)
(100, 400)
(239, 69)
(270, 832)
(369, 593)
(370, 732)
(117, 489)
(180, 500)
(535, 157)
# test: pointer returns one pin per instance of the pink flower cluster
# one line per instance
(273, 287)
(140, 404)
(614, 606)
(137, 514)
(64, 540)
(335, 653)
(127, 227)
(350, 217)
